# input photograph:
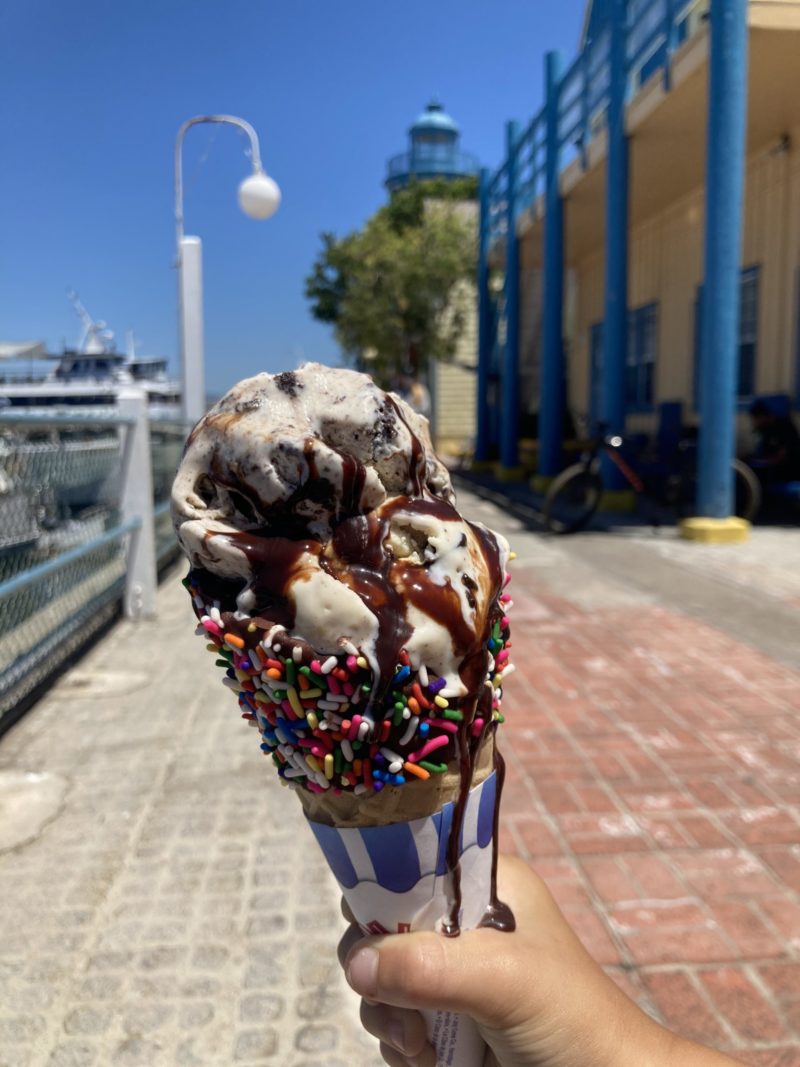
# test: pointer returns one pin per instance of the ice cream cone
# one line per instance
(361, 621)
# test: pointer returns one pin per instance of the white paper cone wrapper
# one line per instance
(394, 879)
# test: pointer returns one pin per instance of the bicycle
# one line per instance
(574, 495)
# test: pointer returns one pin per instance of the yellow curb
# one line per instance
(482, 466)
(618, 500)
(540, 483)
(509, 474)
(728, 531)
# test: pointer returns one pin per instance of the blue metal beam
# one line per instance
(719, 359)
(482, 430)
(509, 423)
(551, 382)
(615, 321)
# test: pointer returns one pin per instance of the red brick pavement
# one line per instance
(653, 781)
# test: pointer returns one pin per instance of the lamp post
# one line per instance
(259, 197)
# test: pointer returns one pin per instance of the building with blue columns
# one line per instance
(640, 252)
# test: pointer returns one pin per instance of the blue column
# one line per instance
(509, 387)
(670, 41)
(615, 319)
(551, 378)
(719, 359)
(482, 429)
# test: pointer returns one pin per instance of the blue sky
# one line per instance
(91, 96)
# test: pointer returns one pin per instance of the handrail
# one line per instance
(50, 566)
(583, 87)
(80, 418)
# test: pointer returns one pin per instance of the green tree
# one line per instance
(396, 292)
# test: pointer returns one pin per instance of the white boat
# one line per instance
(88, 376)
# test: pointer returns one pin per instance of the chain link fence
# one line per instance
(67, 534)
(166, 448)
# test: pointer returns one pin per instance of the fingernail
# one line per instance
(362, 971)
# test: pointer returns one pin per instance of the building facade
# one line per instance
(598, 243)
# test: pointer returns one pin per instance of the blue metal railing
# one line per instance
(432, 160)
(76, 533)
(655, 28)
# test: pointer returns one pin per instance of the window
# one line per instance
(595, 373)
(641, 357)
(748, 331)
(748, 336)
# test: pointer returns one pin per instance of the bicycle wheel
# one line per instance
(747, 489)
(572, 499)
(746, 492)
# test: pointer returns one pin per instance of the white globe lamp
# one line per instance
(259, 196)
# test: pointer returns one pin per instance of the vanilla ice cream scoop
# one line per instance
(296, 452)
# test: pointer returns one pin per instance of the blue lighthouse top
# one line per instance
(434, 119)
(433, 151)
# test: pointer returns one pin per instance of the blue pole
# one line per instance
(670, 38)
(482, 430)
(615, 320)
(727, 108)
(509, 424)
(551, 382)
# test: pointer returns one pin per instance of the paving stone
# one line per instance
(144, 1018)
(88, 1020)
(74, 1054)
(101, 987)
(256, 1044)
(317, 1038)
(319, 1003)
(261, 1008)
(743, 1004)
(21, 1028)
(138, 1052)
(195, 1015)
(209, 957)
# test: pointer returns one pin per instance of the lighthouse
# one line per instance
(434, 151)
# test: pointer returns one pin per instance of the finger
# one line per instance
(477, 972)
(401, 1028)
(347, 913)
(392, 1056)
(347, 942)
(397, 1059)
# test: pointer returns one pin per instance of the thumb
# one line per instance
(474, 973)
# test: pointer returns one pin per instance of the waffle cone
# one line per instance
(404, 803)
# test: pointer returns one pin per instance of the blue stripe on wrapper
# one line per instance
(335, 853)
(394, 856)
(399, 855)
(488, 800)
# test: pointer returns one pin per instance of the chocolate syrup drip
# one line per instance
(363, 564)
(416, 468)
(498, 915)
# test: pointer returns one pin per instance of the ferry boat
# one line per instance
(57, 477)
(88, 376)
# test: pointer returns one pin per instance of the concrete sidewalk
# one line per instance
(169, 907)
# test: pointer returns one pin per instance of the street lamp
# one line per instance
(259, 197)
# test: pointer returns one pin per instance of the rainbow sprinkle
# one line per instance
(313, 715)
